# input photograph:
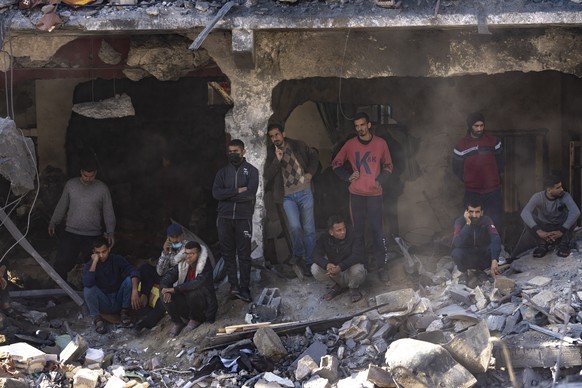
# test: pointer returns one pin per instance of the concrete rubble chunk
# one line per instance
(108, 54)
(305, 367)
(379, 377)
(480, 298)
(510, 323)
(74, 350)
(86, 378)
(316, 382)
(135, 74)
(539, 281)
(472, 348)
(495, 322)
(356, 380)
(416, 363)
(115, 107)
(273, 378)
(269, 344)
(400, 301)
(504, 284)
(544, 298)
(27, 358)
(356, 328)
(115, 382)
(460, 293)
(328, 368)
(18, 166)
(316, 350)
(12, 383)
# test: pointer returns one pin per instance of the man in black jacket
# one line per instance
(335, 258)
(188, 290)
(476, 242)
(289, 168)
(235, 187)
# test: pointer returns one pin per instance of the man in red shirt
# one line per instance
(371, 165)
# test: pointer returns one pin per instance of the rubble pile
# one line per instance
(502, 331)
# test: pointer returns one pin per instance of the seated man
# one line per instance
(173, 249)
(550, 216)
(188, 290)
(476, 242)
(335, 258)
(110, 285)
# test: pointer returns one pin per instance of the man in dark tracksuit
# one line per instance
(476, 243)
(235, 187)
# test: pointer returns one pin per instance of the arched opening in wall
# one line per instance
(426, 117)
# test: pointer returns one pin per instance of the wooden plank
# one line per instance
(252, 326)
(13, 229)
(536, 350)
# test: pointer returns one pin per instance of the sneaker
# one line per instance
(245, 295)
(383, 276)
(540, 251)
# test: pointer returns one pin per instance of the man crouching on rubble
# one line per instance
(476, 242)
(110, 285)
(335, 258)
(188, 290)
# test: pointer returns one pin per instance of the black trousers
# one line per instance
(471, 258)
(530, 239)
(73, 249)
(235, 241)
(188, 305)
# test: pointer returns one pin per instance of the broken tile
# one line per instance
(539, 281)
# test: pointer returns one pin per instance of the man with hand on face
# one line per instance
(478, 161)
(173, 249)
(235, 187)
(110, 285)
(289, 168)
(188, 290)
(336, 259)
(85, 201)
(476, 242)
(371, 165)
(551, 216)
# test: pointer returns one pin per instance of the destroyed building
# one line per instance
(137, 82)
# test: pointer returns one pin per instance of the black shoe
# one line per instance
(307, 271)
(563, 250)
(541, 251)
(245, 295)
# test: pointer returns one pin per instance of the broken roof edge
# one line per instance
(173, 21)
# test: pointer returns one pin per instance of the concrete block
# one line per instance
(416, 363)
(267, 306)
(86, 378)
(539, 281)
(472, 348)
(328, 368)
(316, 382)
(544, 298)
(269, 344)
(380, 377)
(495, 322)
(305, 367)
(504, 284)
(397, 301)
(460, 294)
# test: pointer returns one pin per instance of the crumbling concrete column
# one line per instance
(251, 91)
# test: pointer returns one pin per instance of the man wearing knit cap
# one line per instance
(478, 161)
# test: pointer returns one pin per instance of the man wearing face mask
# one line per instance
(476, 242)
(173, 249)
(235, 187)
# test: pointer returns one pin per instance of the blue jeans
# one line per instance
(299, 211)
(99, 302)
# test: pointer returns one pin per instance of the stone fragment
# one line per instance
(269, 344)
(108, 54)
(356, 328)
(397, 301)
(562, 310)
(416, 363)
(544, 298)
(480, 299)
(379, 377)
(305, 367)
(504, 284)
(460, 294)
(316, 350)
(461, 325)
(115, 107)
(472, 348)
(539, 281)
(115, 382)
(135, 74)
(384, 331)
(495, 322)
(273, 378)
(316, 382)
(86, 378)
(356, 380)
(12, 383)
(74, 350)
(328, 368)
(435, 325)
(510, 323)
(17, 167)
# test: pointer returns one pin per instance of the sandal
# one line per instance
(100, 326)
(125, 318)
(356, 295)
(335, 291)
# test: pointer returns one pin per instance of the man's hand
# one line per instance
(278, 153)
(110, 239)
(167, 294)
(308, 177)
(51, 230)
(332, 269)
(167, 245)
(135, 303)
(355, 175)
(467, 217)
(555, 235)
(544, 235)
(94, 257)
(242, 189)
(495, 268)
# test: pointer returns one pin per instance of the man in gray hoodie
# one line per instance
(85, 201)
